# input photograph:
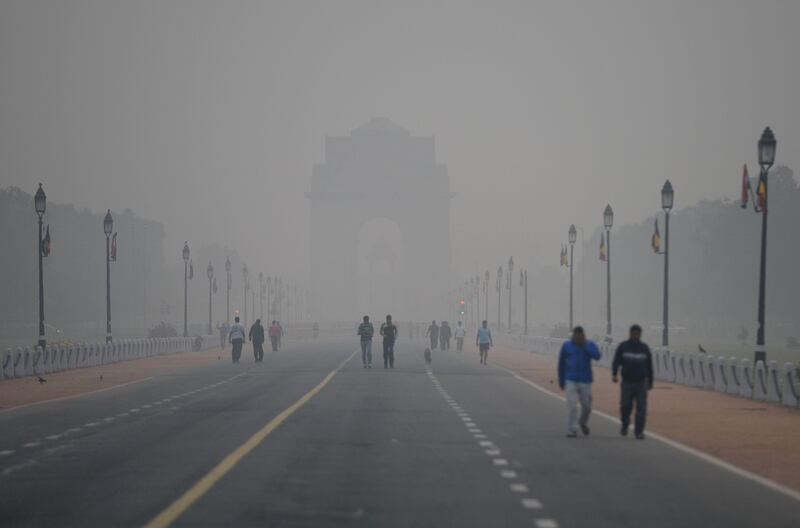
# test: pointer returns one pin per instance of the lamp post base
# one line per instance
(760, 355)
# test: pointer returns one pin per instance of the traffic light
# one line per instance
(462, 307)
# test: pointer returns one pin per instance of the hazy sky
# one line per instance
(209, 116)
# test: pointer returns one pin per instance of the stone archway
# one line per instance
(379, 171)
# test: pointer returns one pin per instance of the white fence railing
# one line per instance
(21, 362)
(738, 377)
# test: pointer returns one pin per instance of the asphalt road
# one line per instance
(456, 445)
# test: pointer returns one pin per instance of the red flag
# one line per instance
(745, 186)
(114, 247)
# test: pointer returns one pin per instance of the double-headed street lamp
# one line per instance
(572, 237)
(185, 289)
(269, 292)
(40, 204)
(608, 223)
(108, 227)
(510, 284)
(667, 198)
(228, 291)
(210, 274)
(766, 158)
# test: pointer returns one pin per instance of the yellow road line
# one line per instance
(177, 508)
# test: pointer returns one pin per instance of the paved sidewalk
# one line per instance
(28, 390)
(760, 437)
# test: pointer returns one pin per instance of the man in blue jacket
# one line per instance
(575, 377)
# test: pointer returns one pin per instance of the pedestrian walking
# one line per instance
(634, 358)
(444, 336)
(575, 377)
(389, 333)
(236, 338)
(256, 335)
(433, 333)
(274, 334)
(484, 341)
(459, 333)
(365, 331)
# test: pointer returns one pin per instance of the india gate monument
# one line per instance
(380, 226)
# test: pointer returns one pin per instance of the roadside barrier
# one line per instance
(22, 362)
(732, 376)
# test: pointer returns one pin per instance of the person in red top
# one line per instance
(274, 335)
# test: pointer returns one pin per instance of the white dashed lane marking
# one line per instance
(491, 450)
(53, 437)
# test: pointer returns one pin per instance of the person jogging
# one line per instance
(634, 358)
(433, 333)
(256, 336)
(575, 377)
(365, 331)
(389, 333)
(236, 338)
(459, 333)
(484, 341)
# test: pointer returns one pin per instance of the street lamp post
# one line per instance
(246, 287)
(667, 198)
(499, 294)
(228, 291)
(525, 287)
(108, 227)
(573, 236)
(40, 204)
(510, 284)
(210, 274)
(486, 294)
(269, 291)
(608, 223)
(766, 158)
(185, 289)
(477, 301)
(261, 295)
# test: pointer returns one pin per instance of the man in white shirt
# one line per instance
(459, 335)
(236, 337)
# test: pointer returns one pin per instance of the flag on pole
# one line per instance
(46, 243)
(745, 186)
(214, 286)
(762, 193)
(114, 248)
(602, 247)
(563, 255)
(655, 241)
(191, 270)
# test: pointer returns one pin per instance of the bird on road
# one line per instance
(701, 349)
(41, 379)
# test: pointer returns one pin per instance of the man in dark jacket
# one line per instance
(433, 333)
(634, 357)
(257, 338)
(389, 333)
(575, 378)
